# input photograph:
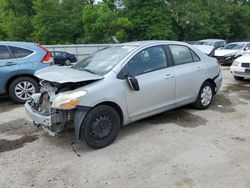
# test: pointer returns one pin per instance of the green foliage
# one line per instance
(57, 22)
(102, 24)
(150, 20)
(16, 19)
(85, 21)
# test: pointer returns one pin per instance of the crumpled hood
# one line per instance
(222, 52)
(205, 48)
(61, 74)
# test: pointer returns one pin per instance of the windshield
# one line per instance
(208, 43)
(101, 62)
(234, 46)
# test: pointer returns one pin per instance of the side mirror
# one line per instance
(133, 83)
(246, 48)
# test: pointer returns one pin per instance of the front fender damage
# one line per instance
(79, 115)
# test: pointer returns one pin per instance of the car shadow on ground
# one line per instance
(7, 104)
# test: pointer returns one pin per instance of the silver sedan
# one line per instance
(122, 84)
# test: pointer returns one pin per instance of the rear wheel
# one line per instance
(22, 88)
(67, 62)
(100, 126)
(238, 78)
(205, 96)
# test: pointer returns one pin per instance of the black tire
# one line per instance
(100, 126)
(17, 81)
(238, 78)
(67, 62)
(198, 103)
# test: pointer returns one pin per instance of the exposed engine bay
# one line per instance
(43, 104)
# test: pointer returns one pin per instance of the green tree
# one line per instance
(57, 22)
(102, 23)
(16, 19)
(150, 20)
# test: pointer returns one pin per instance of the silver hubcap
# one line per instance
(24, 90)
(67, 62)
(206, 95)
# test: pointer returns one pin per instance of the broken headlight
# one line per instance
(68, 100)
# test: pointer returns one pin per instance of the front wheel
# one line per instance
(205, 96)
(100, 126)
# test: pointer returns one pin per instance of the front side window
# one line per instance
(183, 55)
(104, 60)
(148, 60)
(20, 52)
(4, 53)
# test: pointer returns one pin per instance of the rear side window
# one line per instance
(4, 53)
(183, 55)
(20, 52)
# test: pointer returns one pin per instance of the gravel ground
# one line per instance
(181, 148)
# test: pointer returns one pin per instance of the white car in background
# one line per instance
(208, 46)
(241, 67)
(231, 52)
(216, 43)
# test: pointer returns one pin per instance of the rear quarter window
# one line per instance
(20, 52)
(4, 53)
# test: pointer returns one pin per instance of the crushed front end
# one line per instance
(40, 109)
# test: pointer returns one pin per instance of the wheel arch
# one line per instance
(115, 106)
(82, 112)
(211, 81)
(18, 76)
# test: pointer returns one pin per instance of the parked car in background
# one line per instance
(208, 50)
(232, 51)
(208, 46)
(63, 58)
(216, 43)
(241, 67)
(122, 84)
(18, 63)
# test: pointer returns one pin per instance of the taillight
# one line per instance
(48, 57)
(218, 62)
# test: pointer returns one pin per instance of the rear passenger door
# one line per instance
(8, 66)
(189, 72)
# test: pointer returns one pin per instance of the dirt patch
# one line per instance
(239, 139)
(179, 117)
(19, 127)
(222, 103)
(242, 89)
(7, 104)
(8, 145)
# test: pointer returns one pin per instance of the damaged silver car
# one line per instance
(122, 84)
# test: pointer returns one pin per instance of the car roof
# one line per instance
(16, 43)
(212, 40)
(151, 42)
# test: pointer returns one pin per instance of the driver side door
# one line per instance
(156, 82)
